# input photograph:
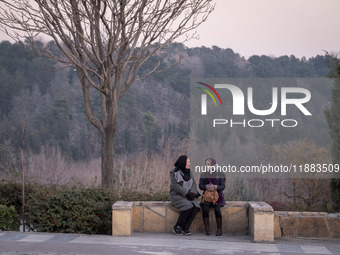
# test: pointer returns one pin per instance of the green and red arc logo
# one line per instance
(209, 93)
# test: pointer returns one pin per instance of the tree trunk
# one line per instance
(23, 187)
(106, 125)
(109, 117)
(107, 165)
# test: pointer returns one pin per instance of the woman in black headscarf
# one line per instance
(183, 195)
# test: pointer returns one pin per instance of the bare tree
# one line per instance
(20, 140)
(106, 42)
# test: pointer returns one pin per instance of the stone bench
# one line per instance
(256, 218)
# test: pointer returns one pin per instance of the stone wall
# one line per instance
(255, 218)
(307, 224)
(162, 216)
(238, 218)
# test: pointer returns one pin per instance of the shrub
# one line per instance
(240, 190)
(128, 195)
(335, 193)
(279, 206)
(65, 210)
(9, 218)
(11, 193)
(76, 209)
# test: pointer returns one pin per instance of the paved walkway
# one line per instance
(156, 244)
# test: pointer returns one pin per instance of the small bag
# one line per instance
(210, 196)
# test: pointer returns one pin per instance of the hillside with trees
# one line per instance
(153, 119)
(155, 111)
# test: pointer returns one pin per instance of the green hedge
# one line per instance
(70, 210)
(65, 210)
(9, 218)
(10, 194)
(335, 194)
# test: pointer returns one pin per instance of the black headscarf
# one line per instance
(180, 164)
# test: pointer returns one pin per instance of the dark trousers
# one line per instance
(186, 217)
(205, 210)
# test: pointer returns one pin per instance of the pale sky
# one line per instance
(273, 27)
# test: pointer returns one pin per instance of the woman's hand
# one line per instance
(191, 196)
(211, 187)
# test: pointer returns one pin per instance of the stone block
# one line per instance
(261, 222)
(263, 227)
(321, 228)
(122, 218)
(251, 221)
(122, 205)
(225, 219)
(236, 204)
(312, 227)
(280, 213)
(233, 210)
(237, 220)
(160, 210)
(288, 226)
(171, 219)
(143, 203)
(334, 227)
(260, 207)
(333, 215)
(294, 214)
(197, 225)
(137, 219)
(277, 226)
(153, 220)
(310, 214)
(121, 223)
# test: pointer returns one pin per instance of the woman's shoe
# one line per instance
(206, 226)
(186, 232)
(219, 226)
(177, 230)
